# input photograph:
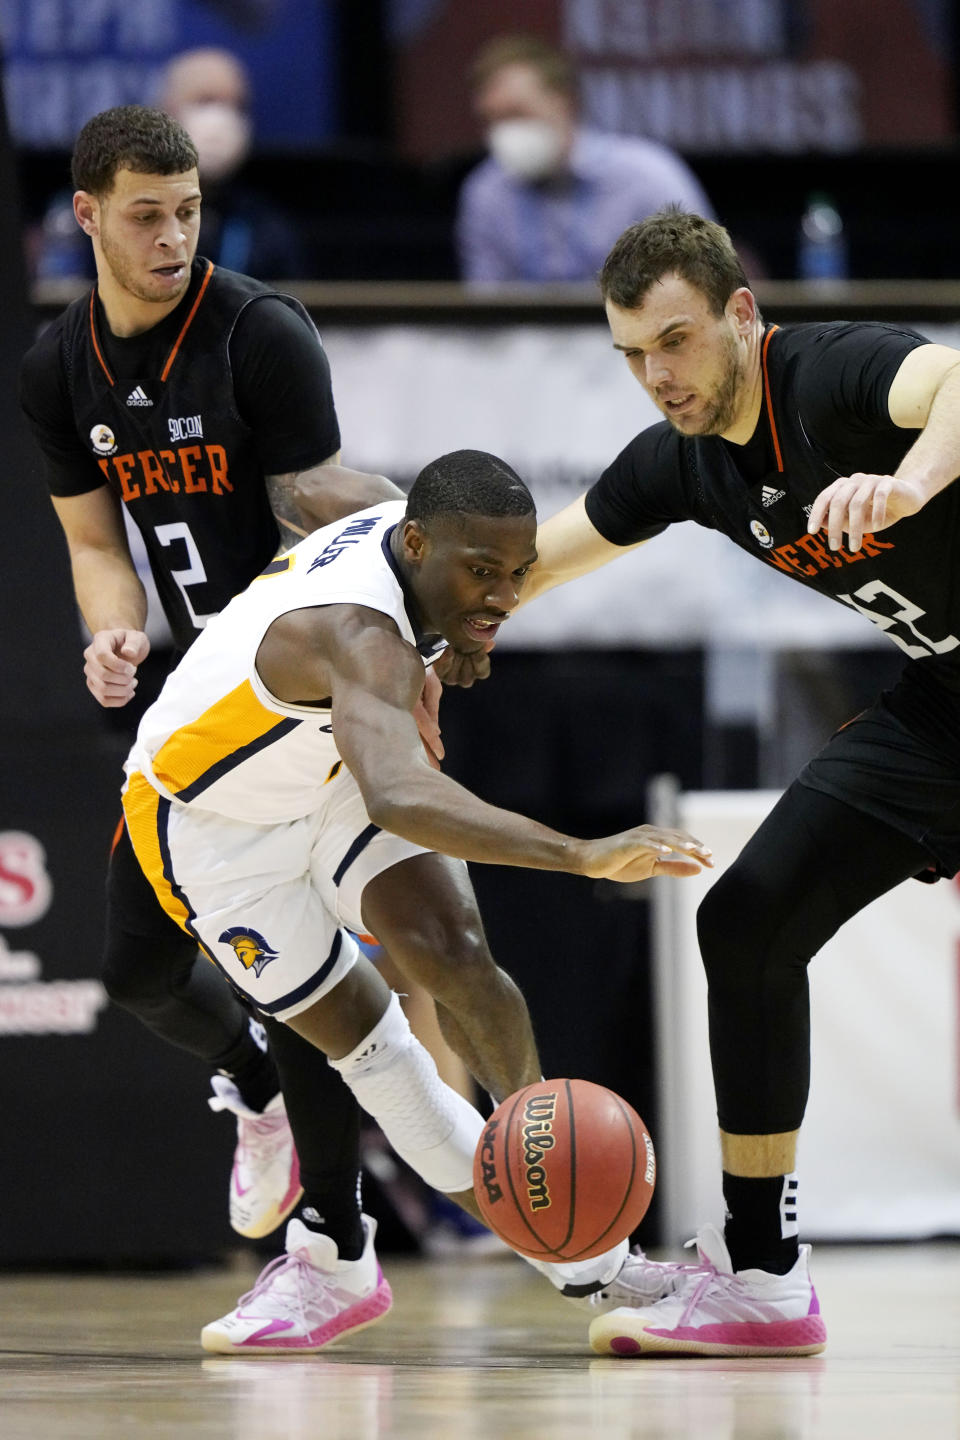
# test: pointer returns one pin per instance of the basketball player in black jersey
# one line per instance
(200, 401)
(828, 452)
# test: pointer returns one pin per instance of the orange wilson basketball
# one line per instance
(564, 1170)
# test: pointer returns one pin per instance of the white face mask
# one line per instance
(527, 149)
(222, 135)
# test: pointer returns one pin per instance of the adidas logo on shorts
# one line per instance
(139, 397)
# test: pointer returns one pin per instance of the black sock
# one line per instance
(761, 1225)
(325, 1120)
(332, 1207)
(250, 1066)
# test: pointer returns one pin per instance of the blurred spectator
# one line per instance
(208, 91)
(552, 197)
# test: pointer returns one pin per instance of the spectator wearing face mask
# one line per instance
(208, 91)
(552, 196)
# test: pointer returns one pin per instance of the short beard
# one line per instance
(122, 272)
(721, 409)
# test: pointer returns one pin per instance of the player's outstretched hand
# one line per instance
(456, 669)
(643, 852)
(111, 661)
(858, 505)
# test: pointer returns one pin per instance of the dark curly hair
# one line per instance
(129, 137)
(468, 482)
(672, 242)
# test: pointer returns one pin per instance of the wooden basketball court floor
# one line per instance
(477, 1349)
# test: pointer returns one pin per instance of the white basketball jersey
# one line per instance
(216, 738)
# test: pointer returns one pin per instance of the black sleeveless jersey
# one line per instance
(824, 415)
(173, 445)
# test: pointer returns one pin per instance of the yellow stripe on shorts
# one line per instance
(140, 805)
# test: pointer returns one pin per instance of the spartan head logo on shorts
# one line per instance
(250, 948)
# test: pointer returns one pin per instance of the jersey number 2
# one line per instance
(194, 573)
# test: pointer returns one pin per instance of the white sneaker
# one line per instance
(265, 1179)
(640, 1282)
(714, 1311)
(305, 1299)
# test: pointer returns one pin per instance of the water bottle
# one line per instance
(822, 246)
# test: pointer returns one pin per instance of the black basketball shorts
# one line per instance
(887, 767)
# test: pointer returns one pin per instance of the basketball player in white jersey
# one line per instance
(279, 795)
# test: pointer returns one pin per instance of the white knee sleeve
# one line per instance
(429, 1125)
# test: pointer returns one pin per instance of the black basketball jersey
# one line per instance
(173, 446)
(813, 431)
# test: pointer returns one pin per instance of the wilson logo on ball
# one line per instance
(538, 1137)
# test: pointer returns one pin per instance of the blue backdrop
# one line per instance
(68, 59)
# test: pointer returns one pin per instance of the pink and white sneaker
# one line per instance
(640, 1282)
(305, 1299)
(265, 1180)
(716, 1311)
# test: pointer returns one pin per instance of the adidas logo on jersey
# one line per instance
(139, 397)
(769, 496)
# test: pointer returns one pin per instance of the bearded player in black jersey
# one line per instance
(200, 401)
(827, 451)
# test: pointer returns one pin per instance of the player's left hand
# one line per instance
(861, 505)
(643, 852)
(427, 715)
